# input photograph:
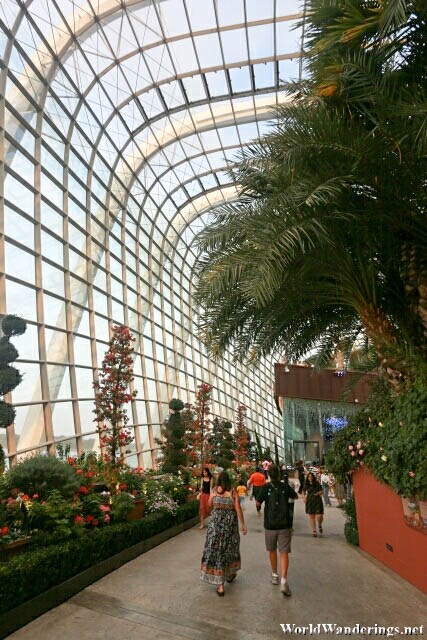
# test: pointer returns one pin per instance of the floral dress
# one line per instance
(221, 555)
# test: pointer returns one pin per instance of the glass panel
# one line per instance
(230, 12)
(21, 300)
(19, 263)
(234, 46)
(17, 227)
(261, 41)
(240, 80)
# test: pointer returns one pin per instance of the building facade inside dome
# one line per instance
(119, 120)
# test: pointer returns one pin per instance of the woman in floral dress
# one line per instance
(221, 555)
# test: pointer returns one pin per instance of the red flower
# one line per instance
(134, 492)
(78, 519)
(123, 486)
(35, 496)
(4, 530)
(89, 518)
(83, 490)
(25, 497)
(70, 460)
(79, 470)
(95, 523)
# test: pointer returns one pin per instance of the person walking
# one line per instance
(205, 491)
(325, 481)
(242, 492)
(301, 478)
(257, 480)
(276, 495)
(313, 502)
(221, 555)
(339, 491)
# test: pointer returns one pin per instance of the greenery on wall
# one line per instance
(389, 437)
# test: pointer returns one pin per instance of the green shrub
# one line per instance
(42, 474)
(351, 530)
(39, 569)
(122, 506)
(55, 515)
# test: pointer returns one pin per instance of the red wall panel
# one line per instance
(380, 522)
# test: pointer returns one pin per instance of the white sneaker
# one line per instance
(274, 578)
(284, 588)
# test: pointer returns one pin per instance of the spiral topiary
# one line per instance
(10, 377)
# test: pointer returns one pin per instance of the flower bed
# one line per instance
(43, 567)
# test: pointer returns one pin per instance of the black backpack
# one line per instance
(276, 506)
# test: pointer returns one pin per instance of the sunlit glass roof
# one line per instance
(120, 120)
(162, 93)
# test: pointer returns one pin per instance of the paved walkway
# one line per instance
(159, 595)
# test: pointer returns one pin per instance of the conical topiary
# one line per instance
(174, 454)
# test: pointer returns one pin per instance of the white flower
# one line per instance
(384, 458)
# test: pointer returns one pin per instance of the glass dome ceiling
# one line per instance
(118, 122)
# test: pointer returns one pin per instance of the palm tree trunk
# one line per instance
(382, 333)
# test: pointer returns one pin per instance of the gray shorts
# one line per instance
(281, 536)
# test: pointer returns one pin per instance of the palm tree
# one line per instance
(327, 237)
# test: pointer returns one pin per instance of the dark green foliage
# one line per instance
(8, 352)
(351, 531)
(276, 453)
(7, 414)
(267, 454)
(123, 505)
(222, 443)
(42, 474)
(28, 575)
(258, 451)
(13, 326)
(243, 476)
(174, 429)
(9, 379)
(54, 516)
(176, 405)
(2, 459)
(9, 376)
(392, 433)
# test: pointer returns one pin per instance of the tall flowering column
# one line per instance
(241, 437)
(112, 395)
(199, 429)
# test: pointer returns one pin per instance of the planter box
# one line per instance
(192, 497)
(8, 551)
(138, 510)
(384, 532)
(23, 614)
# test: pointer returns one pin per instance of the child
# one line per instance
(242, 492)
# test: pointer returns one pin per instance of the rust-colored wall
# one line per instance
(304, 382)
(380, 522)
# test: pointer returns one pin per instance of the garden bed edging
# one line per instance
(16, 618)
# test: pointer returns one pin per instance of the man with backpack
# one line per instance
(276, 495)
